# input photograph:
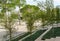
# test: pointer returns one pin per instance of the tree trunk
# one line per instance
(10, 34)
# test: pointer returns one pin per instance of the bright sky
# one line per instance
(56, 2)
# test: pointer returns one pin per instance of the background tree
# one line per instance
(57, 15)
(30, 15)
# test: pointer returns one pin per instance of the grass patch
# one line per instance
(52, 33)
(18, 38)
(34, 36)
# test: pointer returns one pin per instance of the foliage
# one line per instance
(8, 6)
(1, 15)
(30, 14)
(57, 14)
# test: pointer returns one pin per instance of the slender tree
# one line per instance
(7, 6)
(30, 15)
